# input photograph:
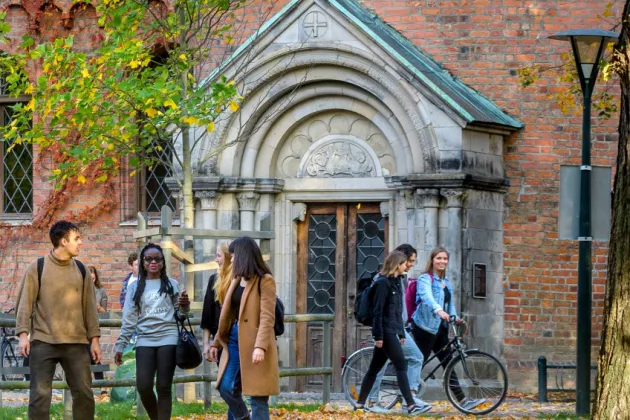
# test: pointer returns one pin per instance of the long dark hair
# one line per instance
(165, 284)
(97, 280)
(247, 260)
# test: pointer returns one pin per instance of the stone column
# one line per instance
(247, 202)
(454, 201)
(386, 211)
(430, 204)
(208, 206)
(408, 205)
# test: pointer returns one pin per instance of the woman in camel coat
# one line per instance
(250, 364)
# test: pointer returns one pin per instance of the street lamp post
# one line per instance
(588, 46)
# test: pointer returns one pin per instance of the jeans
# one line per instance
(414, 358)
(428, 342)
(391, 350)
(229, 415)
(76, 364)
(231, 389)
(150, 360)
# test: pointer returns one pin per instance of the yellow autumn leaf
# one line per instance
(169, 103)
(134, 64)
(190, 120)
(29, 89)
(150, 112)
(81, 179)
(210, 127)
(132, 173)
(234, 106)
(101, 178)
(230, 83)
(85, 73)
(31, 105)
(182, 57)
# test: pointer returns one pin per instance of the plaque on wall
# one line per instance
(479, 280)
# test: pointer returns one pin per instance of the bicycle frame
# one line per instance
(455, 346)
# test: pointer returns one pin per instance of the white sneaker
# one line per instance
(421, 403)
(472, 403)
(417, 409)
(377, 409)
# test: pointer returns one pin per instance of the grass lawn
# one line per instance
(123, 411)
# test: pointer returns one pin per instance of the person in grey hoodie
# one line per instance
(155, 301)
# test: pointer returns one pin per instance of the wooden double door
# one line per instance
(338, 244)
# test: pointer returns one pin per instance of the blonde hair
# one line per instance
(224, 276)
(429, 267)
(393, 260)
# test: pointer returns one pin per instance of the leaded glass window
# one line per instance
(17, 171)
(155, 191)
(322, 247)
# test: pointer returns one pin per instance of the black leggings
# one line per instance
(148, 361)
(428, 342)
(391, 350)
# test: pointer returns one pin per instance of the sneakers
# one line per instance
(419, 409)
(420, 403)
(472, 403)
(377, 409)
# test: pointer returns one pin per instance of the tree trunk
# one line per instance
(613, 379)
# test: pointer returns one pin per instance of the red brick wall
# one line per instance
(483, 42)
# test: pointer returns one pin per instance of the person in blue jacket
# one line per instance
(434, 297)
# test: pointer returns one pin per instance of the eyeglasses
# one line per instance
(149, 260)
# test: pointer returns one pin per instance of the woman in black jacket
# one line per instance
(218, 285)
(388, 330)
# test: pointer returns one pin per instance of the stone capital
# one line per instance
(454, 196)
(406, 199)
(247, 201)
(428, 197)
(209, 200)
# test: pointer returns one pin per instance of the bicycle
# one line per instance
(470, 373)
(10, 353)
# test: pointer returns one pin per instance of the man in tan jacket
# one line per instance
(59, 312)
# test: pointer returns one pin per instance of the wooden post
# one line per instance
(166, 223)
(327, 363)
(207, 386)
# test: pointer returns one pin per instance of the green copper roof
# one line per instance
(468, 103)
(465, 101)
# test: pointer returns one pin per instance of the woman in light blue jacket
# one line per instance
(434, 297)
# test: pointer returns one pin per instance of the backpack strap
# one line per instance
(40, 270)
(81, 268)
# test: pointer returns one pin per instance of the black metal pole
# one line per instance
(542, 379)
(584, 296)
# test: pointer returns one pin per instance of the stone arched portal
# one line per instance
(349, 142)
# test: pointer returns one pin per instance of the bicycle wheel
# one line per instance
(11, 357)
(476, 384)
(353, 373)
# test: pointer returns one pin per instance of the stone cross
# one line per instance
(313, 22)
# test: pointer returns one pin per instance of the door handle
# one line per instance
(351, 296)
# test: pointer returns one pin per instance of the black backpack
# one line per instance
(278, 325)
(363, 302)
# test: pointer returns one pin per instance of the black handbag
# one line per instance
(187, 352)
